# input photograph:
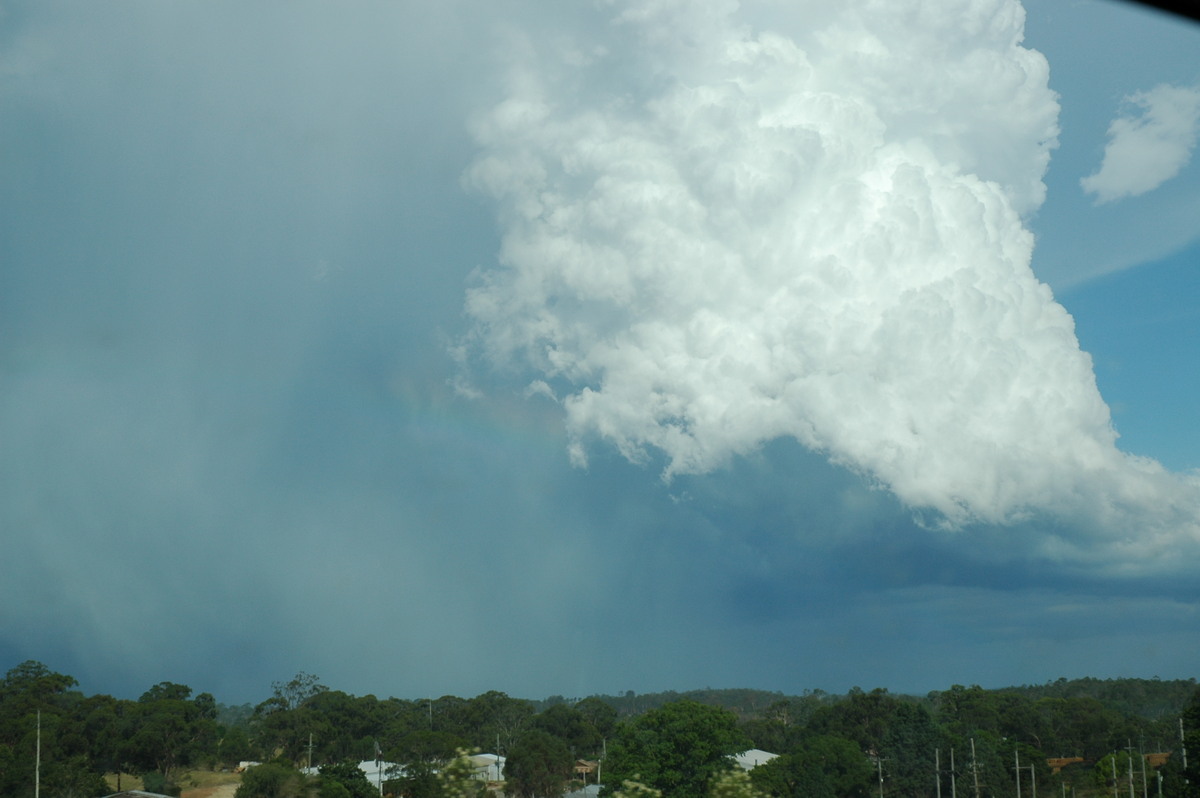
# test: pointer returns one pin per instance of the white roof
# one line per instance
(373, 769)
(491, 765)
(590, 791)
(753, 758)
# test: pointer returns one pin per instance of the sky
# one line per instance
(601, 346)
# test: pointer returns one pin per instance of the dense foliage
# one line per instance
(677, 748)
(860, 745)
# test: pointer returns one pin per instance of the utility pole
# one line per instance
(974, 767)
(37, 765)
(879, 765)
(379, 766)
(1018, 767)
(1142, 756)
(937, 768)
(1129, 753)
(1183, 748)
(953, 787)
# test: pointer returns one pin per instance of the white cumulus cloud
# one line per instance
(811, 229)
(1149, 147)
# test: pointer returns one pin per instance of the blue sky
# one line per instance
(1138, 321)
(628, 346)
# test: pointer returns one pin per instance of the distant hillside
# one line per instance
(743, 702)
(1145, 698)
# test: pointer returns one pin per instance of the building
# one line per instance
(748, 760)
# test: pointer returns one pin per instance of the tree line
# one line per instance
(964, 740)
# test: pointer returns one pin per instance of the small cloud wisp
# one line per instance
(1148, 148)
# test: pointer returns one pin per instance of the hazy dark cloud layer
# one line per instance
(327, 341)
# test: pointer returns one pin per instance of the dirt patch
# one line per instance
(220, 791)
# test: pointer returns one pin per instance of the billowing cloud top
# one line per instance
(717, 233)
(1147, 149)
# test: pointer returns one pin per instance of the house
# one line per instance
(488, 767)
(585, 768)
(1058, 763)
(376, 772)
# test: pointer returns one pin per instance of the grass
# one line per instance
(197, 779)
(188, 779)
(128, 781)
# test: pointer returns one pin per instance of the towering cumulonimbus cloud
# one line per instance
(723, 225)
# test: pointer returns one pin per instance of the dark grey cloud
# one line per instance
(235, 247)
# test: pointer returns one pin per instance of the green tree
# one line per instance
(156, 782)
(599, 713)
(340, 726)
(31, 686)
(734, 783)
(992, 764)
(417, 779)
(281, 724)
(32, 695)
(493, 720)
(782, 727)
(1078, 726)
(101, 721)
(572, 727)
(677, 749)
(823, 765)
(909, 743)
(74, 777)
(1171, 776)
(861, 717)
(897, 730)
(169, 730)
(790, 776)
(1190, 722)
(538, 766)
(966, 710)
(345, 780)
(426, 747)
(635, 789)
(1119, 769)
(297, 691)
(274, 780)
(233, 745)
(422, 754)
(457, 779)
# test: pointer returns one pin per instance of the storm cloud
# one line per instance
(776, 255)
(817, 236)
